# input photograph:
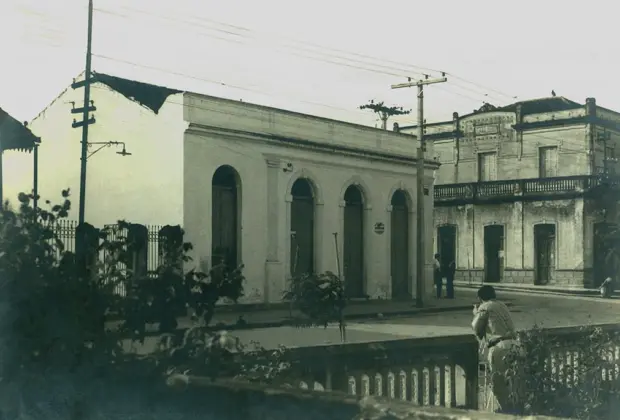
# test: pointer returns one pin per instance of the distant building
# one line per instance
(249, 184)
(518, 194)
(15, 137)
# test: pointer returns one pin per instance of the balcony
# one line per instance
(533, 189)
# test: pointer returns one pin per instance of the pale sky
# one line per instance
(319, 57)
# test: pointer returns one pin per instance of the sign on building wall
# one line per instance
(379, 228)
(488, 127)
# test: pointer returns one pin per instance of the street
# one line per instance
(528, 310)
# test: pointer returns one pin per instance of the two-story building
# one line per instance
(280, 192)
(516, 196)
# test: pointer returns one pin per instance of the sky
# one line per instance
(322, 57)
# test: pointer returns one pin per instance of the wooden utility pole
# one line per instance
(85, 110)
(385, 112)
(420, 282)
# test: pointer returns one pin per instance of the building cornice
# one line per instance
(302, 144)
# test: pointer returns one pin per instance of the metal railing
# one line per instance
(520, 188)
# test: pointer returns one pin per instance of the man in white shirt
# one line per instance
(494, 327)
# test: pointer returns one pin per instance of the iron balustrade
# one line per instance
(521, 188)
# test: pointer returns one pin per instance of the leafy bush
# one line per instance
(215, 355)
(573, 375)
(57, 304)
(320, 298)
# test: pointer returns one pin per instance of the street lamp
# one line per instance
(104, 144)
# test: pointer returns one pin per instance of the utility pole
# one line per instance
(420, 227)
(85, 110)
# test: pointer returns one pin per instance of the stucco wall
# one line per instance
(145, 187)
(519, 220)
(331, 173)
(460, 164)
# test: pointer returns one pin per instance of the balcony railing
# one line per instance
(520, 189)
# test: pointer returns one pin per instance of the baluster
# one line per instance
(432, 386)
(389, 384)
(400, 384)
(416, 386)
(365, 382)
(453, 385)
(411, 385)
(442, 385)
(351, 386)
(426, 386)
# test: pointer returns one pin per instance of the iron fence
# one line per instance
(146, 258)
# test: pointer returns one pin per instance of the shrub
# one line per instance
(573, 375)
(55, 308)
(320, 298)
(56, 304)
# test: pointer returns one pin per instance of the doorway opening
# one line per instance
(225, 217)
(544, 253)
(493, 253)
(400, 246)
(302, 228)
(603, 247)
(446, 245)
(353, 248)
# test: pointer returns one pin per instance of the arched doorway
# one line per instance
(400, 246)
(302, 228)
(225, 217)
(353, 247)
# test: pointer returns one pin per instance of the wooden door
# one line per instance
(400, 252)
(548, 161)
(487, 166)
(544, 253)
(224, 232)
(302, 236)
(353, 249)
(493, 253)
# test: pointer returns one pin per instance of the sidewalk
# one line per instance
(530, 288)
(255, 316)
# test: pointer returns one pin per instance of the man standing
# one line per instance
(450, 272)
(494, 327)
(438, 276)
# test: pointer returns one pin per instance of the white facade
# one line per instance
(175, 154)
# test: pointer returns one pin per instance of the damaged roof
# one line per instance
(532, 106)
(147, 95)
(15, 135)
(541, 105)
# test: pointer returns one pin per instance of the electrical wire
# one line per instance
(404, 69)
(402, 72)
(242, 88)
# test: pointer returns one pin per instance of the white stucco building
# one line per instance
(255, 185)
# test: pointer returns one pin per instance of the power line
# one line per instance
(401, 72)
(246, 33)
(328, 58)
(220, 83)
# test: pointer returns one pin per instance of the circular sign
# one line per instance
(379, 228)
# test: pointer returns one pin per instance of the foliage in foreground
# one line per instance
(320, 298)
(572, 375)
(57, 306)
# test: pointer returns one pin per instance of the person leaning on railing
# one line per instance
(494, 327)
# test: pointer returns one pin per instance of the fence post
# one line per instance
(471, 365)
(171, 245)
(87, 248)
(137, 238)
(170, 252)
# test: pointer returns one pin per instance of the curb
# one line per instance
(374, 315)
(533, 290)
(291, 322)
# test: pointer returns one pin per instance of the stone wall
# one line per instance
(572, 259)
(187, 398)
